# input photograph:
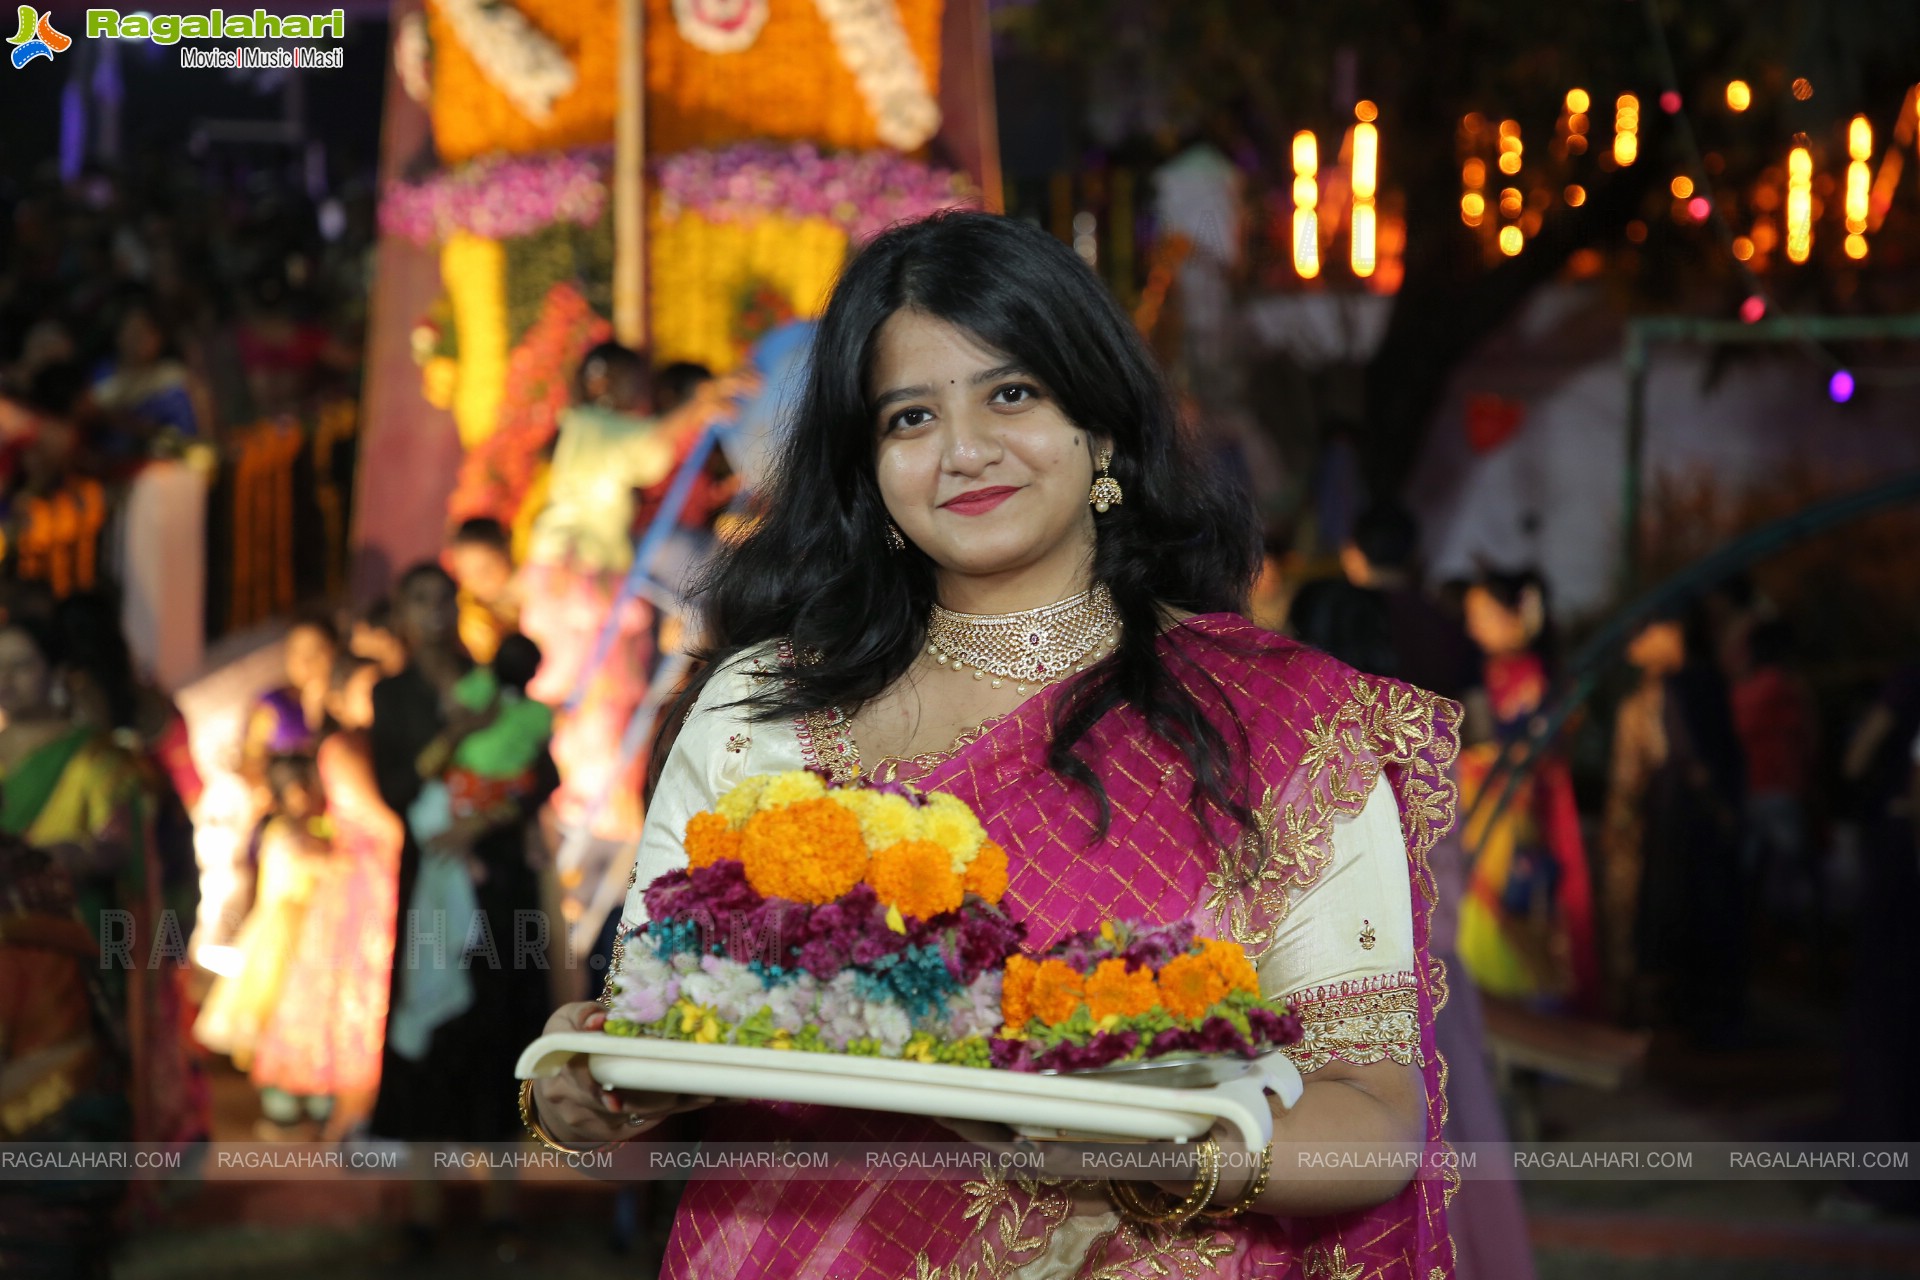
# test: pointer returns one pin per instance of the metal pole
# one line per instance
(629, 181)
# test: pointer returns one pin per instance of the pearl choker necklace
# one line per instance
(1032, 648)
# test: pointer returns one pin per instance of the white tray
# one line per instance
(1035, 1106)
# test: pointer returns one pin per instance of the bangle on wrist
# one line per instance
(530, 1117)
(1133, 1202)
(1258, 1185)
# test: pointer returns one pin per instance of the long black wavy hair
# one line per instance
(817, 573)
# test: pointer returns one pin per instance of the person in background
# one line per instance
(288, 720)
(1778, 724)
(294, 858)
(1673, 899)
(1382, 555)
(480, 556)
(148, 389)
(327, 1040)
(451, 1093)
(675, 384)
(1526, 922)
(64, 1072)
(373, 639)
(67, 789)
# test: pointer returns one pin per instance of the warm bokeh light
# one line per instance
(1802, 89)
(1511, 201)
(1626, 129)
(1306, 199)
(1860, 139)
(1765, 238)
(1306, 243)
(1473, 204)
(1670, 102)
(1510, 163)
(1739, 95)
(1577, 122)
(1699, 208)
(1682, 187)
(1754, 309)
(1365, 251)
(1509, 128)
(1511, 241)
(1578, 101)
(1637, 231)
(1576, 195)
(1743, 248)
(1800, 204)
(1474, 172)
(1366, 161)
(1859, 188)
(1856, 246)
(1306, 153)
(1366, 111)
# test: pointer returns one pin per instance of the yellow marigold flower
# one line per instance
(917, 877)
(1190, 985)
(1113, 991)
(986, 875)
(791, 788)
(742, 802)
(948, 822)
(806, 852)
(1058, 990)
(1229, 961)
(710, 839)
(1016, 993)
(886, 819)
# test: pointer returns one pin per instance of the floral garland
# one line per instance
(515, 56)
(474, 269)
(874, 46)
(864, 192)
(499, 198)
(496, 475)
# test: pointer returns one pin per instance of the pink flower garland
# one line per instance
(499, 199)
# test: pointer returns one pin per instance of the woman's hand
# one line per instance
(577, 1111)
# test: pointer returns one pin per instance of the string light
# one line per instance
(1306, 202)
(1840, 386)
(1578, 102)
(1473, 204)
(1366, 180)
(1802, 89)
(1754, 309)
(1799, 204)
(1682, 187)
(1511, 241)
(1698, 208)
(1739, 95)
(1576, 196)
(1743, 248)
(1510, 147)
(1626, 129)
(1859, 183)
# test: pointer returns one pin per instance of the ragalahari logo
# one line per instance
(37, 38)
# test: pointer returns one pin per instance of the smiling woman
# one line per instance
(994, 565)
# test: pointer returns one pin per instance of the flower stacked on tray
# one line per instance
(1127, 993)
(857, 920)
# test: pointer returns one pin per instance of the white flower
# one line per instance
(874, 47)
(515, 56)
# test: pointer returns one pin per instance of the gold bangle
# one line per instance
(530, 1118)
(1246, 1201)
(1132, 1202)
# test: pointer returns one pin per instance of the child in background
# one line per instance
(294, 847)
(483, 775)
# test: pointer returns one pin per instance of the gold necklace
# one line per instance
(1032, 648)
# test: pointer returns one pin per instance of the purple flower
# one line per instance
(1154, 946)
(1105, 1047)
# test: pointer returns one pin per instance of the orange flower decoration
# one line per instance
(1190, 985)
(986, 875)
(917, 876)
(1016, 993)
(1058, 990)
(1114, 991)
(710, 839)
(1230, 962)
(806, 852)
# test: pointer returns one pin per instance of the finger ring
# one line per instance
(636, 1120)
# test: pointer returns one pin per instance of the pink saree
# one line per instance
(1320, 736)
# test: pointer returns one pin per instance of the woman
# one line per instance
(70, 791)
(449, 1094)
(1526, 923)
(326, 1042)
(983, 432)
(288, 720)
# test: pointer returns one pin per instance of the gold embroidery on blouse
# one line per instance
(737, 743)
(1361, 1022)
(1176, 1253)
(1003, 1247)
(913, 768)
(1367, 938)
(609, 988)
(1329, 1262)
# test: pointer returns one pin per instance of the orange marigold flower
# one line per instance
(806, 852)
(986, 875)
(710, 839)
(916, 876)
(1016, 993)
(1114, 991)
(1230, 961)
(1189, 986)
(1058, 990)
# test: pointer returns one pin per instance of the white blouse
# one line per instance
(1343, 956)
